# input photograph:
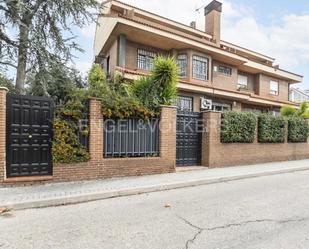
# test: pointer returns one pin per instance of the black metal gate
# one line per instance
(29, 136)
(188, 148)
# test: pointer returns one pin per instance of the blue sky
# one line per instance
(278, 28)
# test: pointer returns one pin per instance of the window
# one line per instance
(145, 59)
(220, 107)
(200, 68)
(105, 65)
(225, 70)
(242, 82)
(255, 110)
(185, 103)
(274, 87)
(182, 64)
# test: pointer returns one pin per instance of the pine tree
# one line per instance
(35, 33)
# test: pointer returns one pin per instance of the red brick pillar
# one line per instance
(96, 130)
(3, 92)
(210, 137)
(168, 134)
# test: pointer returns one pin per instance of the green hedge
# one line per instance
(271, 129)
(298, 130)
(238, 127)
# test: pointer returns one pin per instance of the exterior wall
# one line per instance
(113, 53)
(224, 81)
(258, 84)
(131, 53)
(264, 88)
(217, 154)
(235, 105)
(99, 167)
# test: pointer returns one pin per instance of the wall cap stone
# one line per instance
(4, 88)
(169, 106)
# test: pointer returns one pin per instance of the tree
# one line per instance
(40, 32)
(160, 88)
(56, 81)
(290, 111)
(8, 83)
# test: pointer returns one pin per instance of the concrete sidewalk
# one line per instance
(75, 192)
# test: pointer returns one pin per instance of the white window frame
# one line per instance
(145, 59)
(200, 67)
(182, 61)
(242, 81)
(274, 87)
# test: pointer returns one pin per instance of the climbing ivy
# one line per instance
(66, 147)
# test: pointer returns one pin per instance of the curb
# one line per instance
(59, 201)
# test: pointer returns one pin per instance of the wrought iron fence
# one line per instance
(131, 137)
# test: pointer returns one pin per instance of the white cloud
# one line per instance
(287, 42)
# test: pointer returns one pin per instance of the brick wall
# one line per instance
(99, 167)
(217, 154)
(3, 92)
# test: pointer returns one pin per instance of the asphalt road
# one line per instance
(267, 212)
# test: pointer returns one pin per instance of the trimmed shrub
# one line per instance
(298, 130)
(271, 129)
(238, 127)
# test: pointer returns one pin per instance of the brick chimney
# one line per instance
(213, 20)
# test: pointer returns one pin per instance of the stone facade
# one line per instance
(217, 154)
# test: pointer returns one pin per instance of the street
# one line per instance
(260, 213)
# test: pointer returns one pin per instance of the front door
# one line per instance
(188, 141)
(29, 136)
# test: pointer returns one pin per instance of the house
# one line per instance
(297, 95)
(214, 74)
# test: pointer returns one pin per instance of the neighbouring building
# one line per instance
(298, 96)
(214, 74)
